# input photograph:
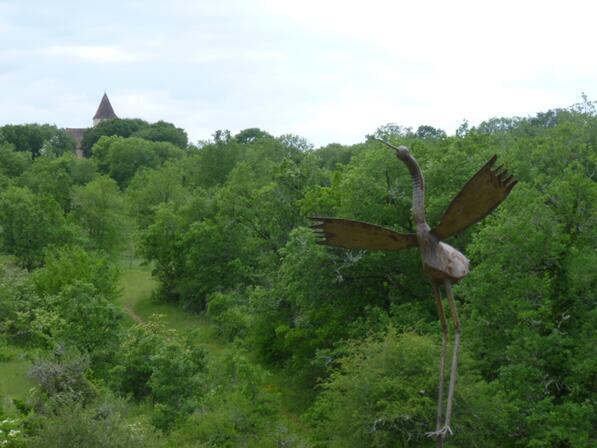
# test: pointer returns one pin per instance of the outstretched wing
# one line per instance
(481, 194)
(360, 235)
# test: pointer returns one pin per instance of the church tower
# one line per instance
(104, 111)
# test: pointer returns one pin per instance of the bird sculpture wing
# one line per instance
(481, 194)
(360, 235)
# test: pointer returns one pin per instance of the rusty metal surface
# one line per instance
(351, 234)
(477, 199)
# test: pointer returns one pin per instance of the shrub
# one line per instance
(101, 425)
(228, 313)
(157, 364)
(384, 395)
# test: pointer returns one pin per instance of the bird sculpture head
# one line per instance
(402, 152)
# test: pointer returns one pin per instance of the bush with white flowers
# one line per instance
(11, 433)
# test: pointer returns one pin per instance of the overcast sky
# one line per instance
(329, 71)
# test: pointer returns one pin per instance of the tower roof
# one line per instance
(105, 111)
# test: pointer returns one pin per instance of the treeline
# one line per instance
(224, 225)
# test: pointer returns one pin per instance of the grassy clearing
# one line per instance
(137, 285)
(13, 379)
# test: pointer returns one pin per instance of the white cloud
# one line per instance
(151, 105)
(95, 53)
(328, 70)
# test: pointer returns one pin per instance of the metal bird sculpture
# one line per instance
(442, 263)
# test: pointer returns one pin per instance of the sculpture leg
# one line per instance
(455, 352)
(442, 366)
(442, 360)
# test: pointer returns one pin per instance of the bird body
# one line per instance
(442, 261)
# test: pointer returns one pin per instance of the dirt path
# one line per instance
(136, 287)
(132, 314)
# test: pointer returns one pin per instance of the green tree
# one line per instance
(383, 395)
(70, 300)
(320, 297)
(210, 164)
(29, 223)
(193, 260)
(54, 177)
(426, 131)
(103, 423)
(59, 144)
(162, 131)
(18, 304)
(239, 409)
(120, 158)
(532, 315)
(157, 363)
(33, 138)
(390, 131)
(65, 265)
(156, 132)
(100, 209)
(116, 127)
(81, 316)
(250, 135)
(152, 187)
(335, 154)
(13, 163)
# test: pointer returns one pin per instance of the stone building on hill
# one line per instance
(104, 112)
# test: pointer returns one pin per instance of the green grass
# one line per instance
(137, 285)
(13, 379)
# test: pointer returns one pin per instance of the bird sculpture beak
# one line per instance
(401, 151)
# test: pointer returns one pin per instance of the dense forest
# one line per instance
(293, 344)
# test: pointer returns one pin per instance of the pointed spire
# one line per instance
(104, 111)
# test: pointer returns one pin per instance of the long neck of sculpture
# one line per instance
(418, 188)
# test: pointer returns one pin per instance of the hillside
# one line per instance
(160, 293)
